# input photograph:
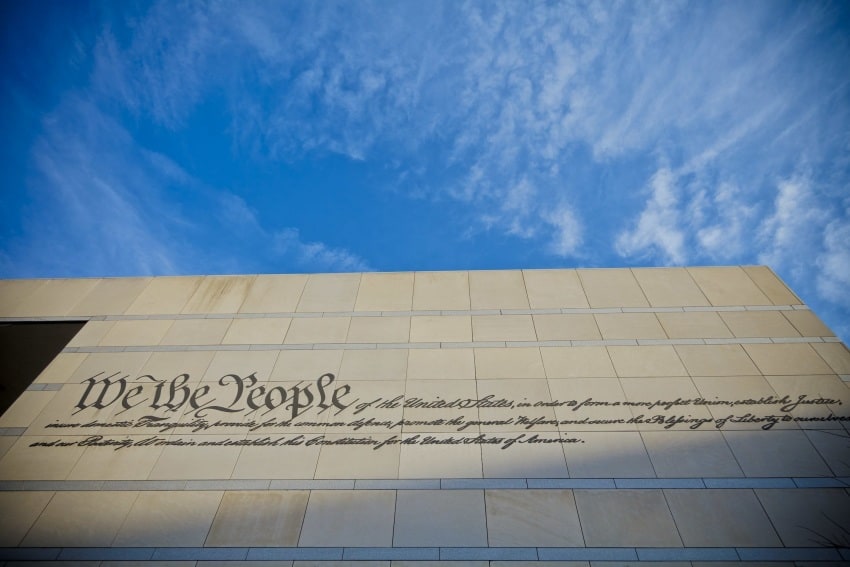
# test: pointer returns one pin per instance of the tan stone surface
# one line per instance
(612, 288)
(524, 393)
(607, 454)
(242, 363)
(836, 356)
(258, 519)
(219, 294)
(349, 518)
(167, 365)
(61, 368)
(79, 519)
(305, 330)
(430, 391)
(776, 453)
(629, 326)
(566, 327)
(91, 333)
(19, 511)
(379, 330)
(111, 296)
(808, 324)
(25, 409)
(694, 325)
(274, 294)
(721, 518)
(136, 333)
(554, 289)
(306, 364)
(728, 286)
(787, 359)
(169, 519)
(532, 518)
(445, 518)
(439, 460)
(625, 518)
(716, 360)
(637, 361)
(440, 364)
(758, 324)
(164, 296)
(810, 388)
(268, 330)
(359, 461)
(55, 297)
(329, 292)
(287, 462)
(196, 332)
(23, 462)
(181, 462)
(525, 460)
(15, 292)
(669, 287)
(582, 389)
(437, 329)
(732, 388)
(107, 463)
(652, 389)
(384, 364)
(577, 362)
(522, 362)
(497, 289)
(833, 447)
(385, 292)
(503, 328)
(683, 454)
(441, 291)
(771, 285)
(815, 517)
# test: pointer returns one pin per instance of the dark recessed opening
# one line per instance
(25, 350)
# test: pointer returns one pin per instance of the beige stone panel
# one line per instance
(329, 293)
(441, 291)
(61, 368)
(111, 296)
(19, 511)
(265, 331)
(686, 454)
(91, 333)
(306, 364)
(274, 294)
(25, 409)
(721, 518)
(833, 448)
(196, 332)
(716, 360)
(317, 330)
(836, 356)
(15, 292)
(420, 393)
(167, 365)
(363, 403)
(440, 364)
(258, 519)
(617, 454)
(522, 395)
(169, 519)
(165, 295)
(655, 390)
(532, 518)
(349, 518)
(524, 362)
(497, 289)
(808, 324)
(784, 359)
(109, 463)
(529, 460)
(626, 518)
(612, 288)
(379, 330)
(440, 518)
(441, 329)
(629, 326)
(277, 461)
(125, 364)
(60, 409)
(694, 325)
(728, 285)
(6, 442)
(554, 289)
(639, 361)
(23, 462)
(576, 397)
(80, 519)
(776, 453)
(198, 461)
(503, 328)
(811, 389)
(359, 461)
(385, 292)
(554, 327)
(136, 333)
(54, 298)
(372, 364)
(434, 455)
(717, 389)
(758, 324)
(242, 363)
(808, 517)
(577, 362)
(669, 287)
(771, 285)
(219, 294)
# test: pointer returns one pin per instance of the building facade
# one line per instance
(501, 417)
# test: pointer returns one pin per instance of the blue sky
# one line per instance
(276, 137)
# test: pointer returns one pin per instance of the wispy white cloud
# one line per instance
(316, 256)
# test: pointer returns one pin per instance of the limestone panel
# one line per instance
(91, 334)
(242, 363)
(306, 364)
(617, 454)
(136, 333)
(503, 328)
(329, 292)
(25, 409)
(572, 327)
(638, 361)
(379, 330)
(55, 297)
(835, 355)
(361, 518)
(577, 362)
(441, 291)
(612, 288)
(590, 417)
(219, 294)
(440, 364)
(383, 364)
(554, 289)
(385, 292)
(655, 389)
(771, 285)
(523, 394)
(267, 518)
(721, 518)
(439, 459)
(525, 461)
(629, 326)
(15, 292)
(669, 287)
(532, 518)
(683, 454)
(196, 332)
(78, 519)
(809, 517)
(169, 519)
(357, 461)
(437, 329)
(106, 463)
(23, 462)
(716, 360)
(306, 330)
(164, 296)
(268, 330)
(198, 461)
(694, 325)
(267, 461)
(274, 294)
(498, 289)
(787, 359)
(445, 518)
(807, 323)
(420, 415)
(638, 518)
(776, 453)
(758, 324)
(20, 510)
(728, 286)
(522, 362)
(61, 368)
(111, 296)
